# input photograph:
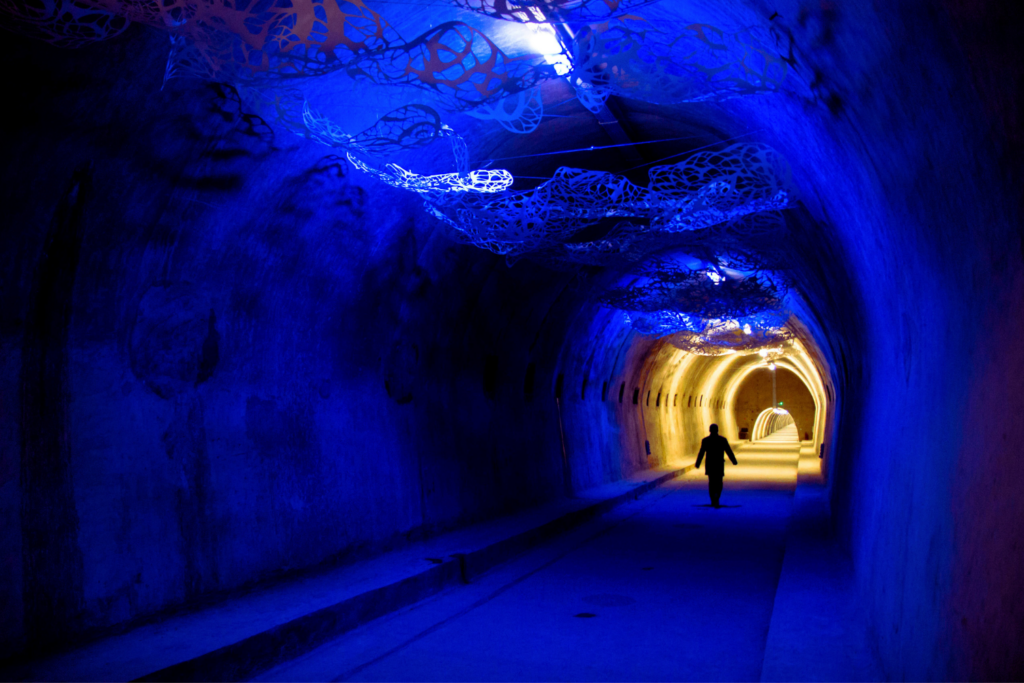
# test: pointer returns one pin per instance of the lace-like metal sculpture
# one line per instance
(632, 58)
(721, 207)
(543, 11)
(292, 39)
(518, 113)
(406, 128)
(752, 242)
(454, 65)
(64, 23)
(267, 50)
(701, 294)
(484, 182)
(702, 191)
(704, 311)
(733, 338)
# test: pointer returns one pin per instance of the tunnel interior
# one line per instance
(778, 392)
(266, 311)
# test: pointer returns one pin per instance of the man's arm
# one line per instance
(729, 451)
(700, 456)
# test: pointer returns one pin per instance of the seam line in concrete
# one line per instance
(502, 589)
(257, 653)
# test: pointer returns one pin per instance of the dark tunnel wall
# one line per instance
(223, 360)
(226, 359)
(909, 151)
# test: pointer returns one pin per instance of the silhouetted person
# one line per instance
(715, 447)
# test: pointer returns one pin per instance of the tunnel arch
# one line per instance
(340, 389)
(768, 422)
(674, 433)
(754, 392)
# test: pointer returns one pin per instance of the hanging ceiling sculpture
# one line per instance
(700, 294)
(545, 11)
(704, 310)
(451, 66)
(752, 242)
(704, 190)
(632, 58)
(721, 206)
(64, 23)
(733, 338)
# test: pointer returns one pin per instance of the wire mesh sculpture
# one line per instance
(704, 310)
(703, 294)
(699, 192)
(252, 45)
(752, 242)
(633, 58)
(720, 206)
(483, 181)
(519, 113)
(763, 333)
(64, 23)
(544, 11)
(732, 337)
(408, 127)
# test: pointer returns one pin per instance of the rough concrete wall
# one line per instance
(230, 360)
(905, 143)
(755, 395)
(914, 187)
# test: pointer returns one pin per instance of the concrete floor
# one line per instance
(662, 588)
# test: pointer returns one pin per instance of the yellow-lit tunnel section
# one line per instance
(770, 421)
(682, 394)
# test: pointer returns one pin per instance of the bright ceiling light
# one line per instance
(544, 41)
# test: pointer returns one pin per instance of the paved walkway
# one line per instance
(661, 588)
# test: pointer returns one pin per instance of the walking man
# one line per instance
(715, 447)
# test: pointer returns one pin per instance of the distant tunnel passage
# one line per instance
(725, 390)
(771, 421)
(755, 395)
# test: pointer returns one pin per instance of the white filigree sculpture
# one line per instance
(473, 182)
(633, 58)
(704, 190)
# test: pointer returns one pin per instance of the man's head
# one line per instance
(714, 429)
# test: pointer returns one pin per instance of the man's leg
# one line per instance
(715, 489)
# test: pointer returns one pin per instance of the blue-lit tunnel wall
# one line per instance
(224, 359)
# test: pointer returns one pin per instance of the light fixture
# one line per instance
(544, 41)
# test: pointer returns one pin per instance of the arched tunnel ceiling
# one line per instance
(573, 176)
(235, 299)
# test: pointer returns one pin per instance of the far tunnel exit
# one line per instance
(754, 397)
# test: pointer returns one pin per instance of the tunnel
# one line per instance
(295, 290)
